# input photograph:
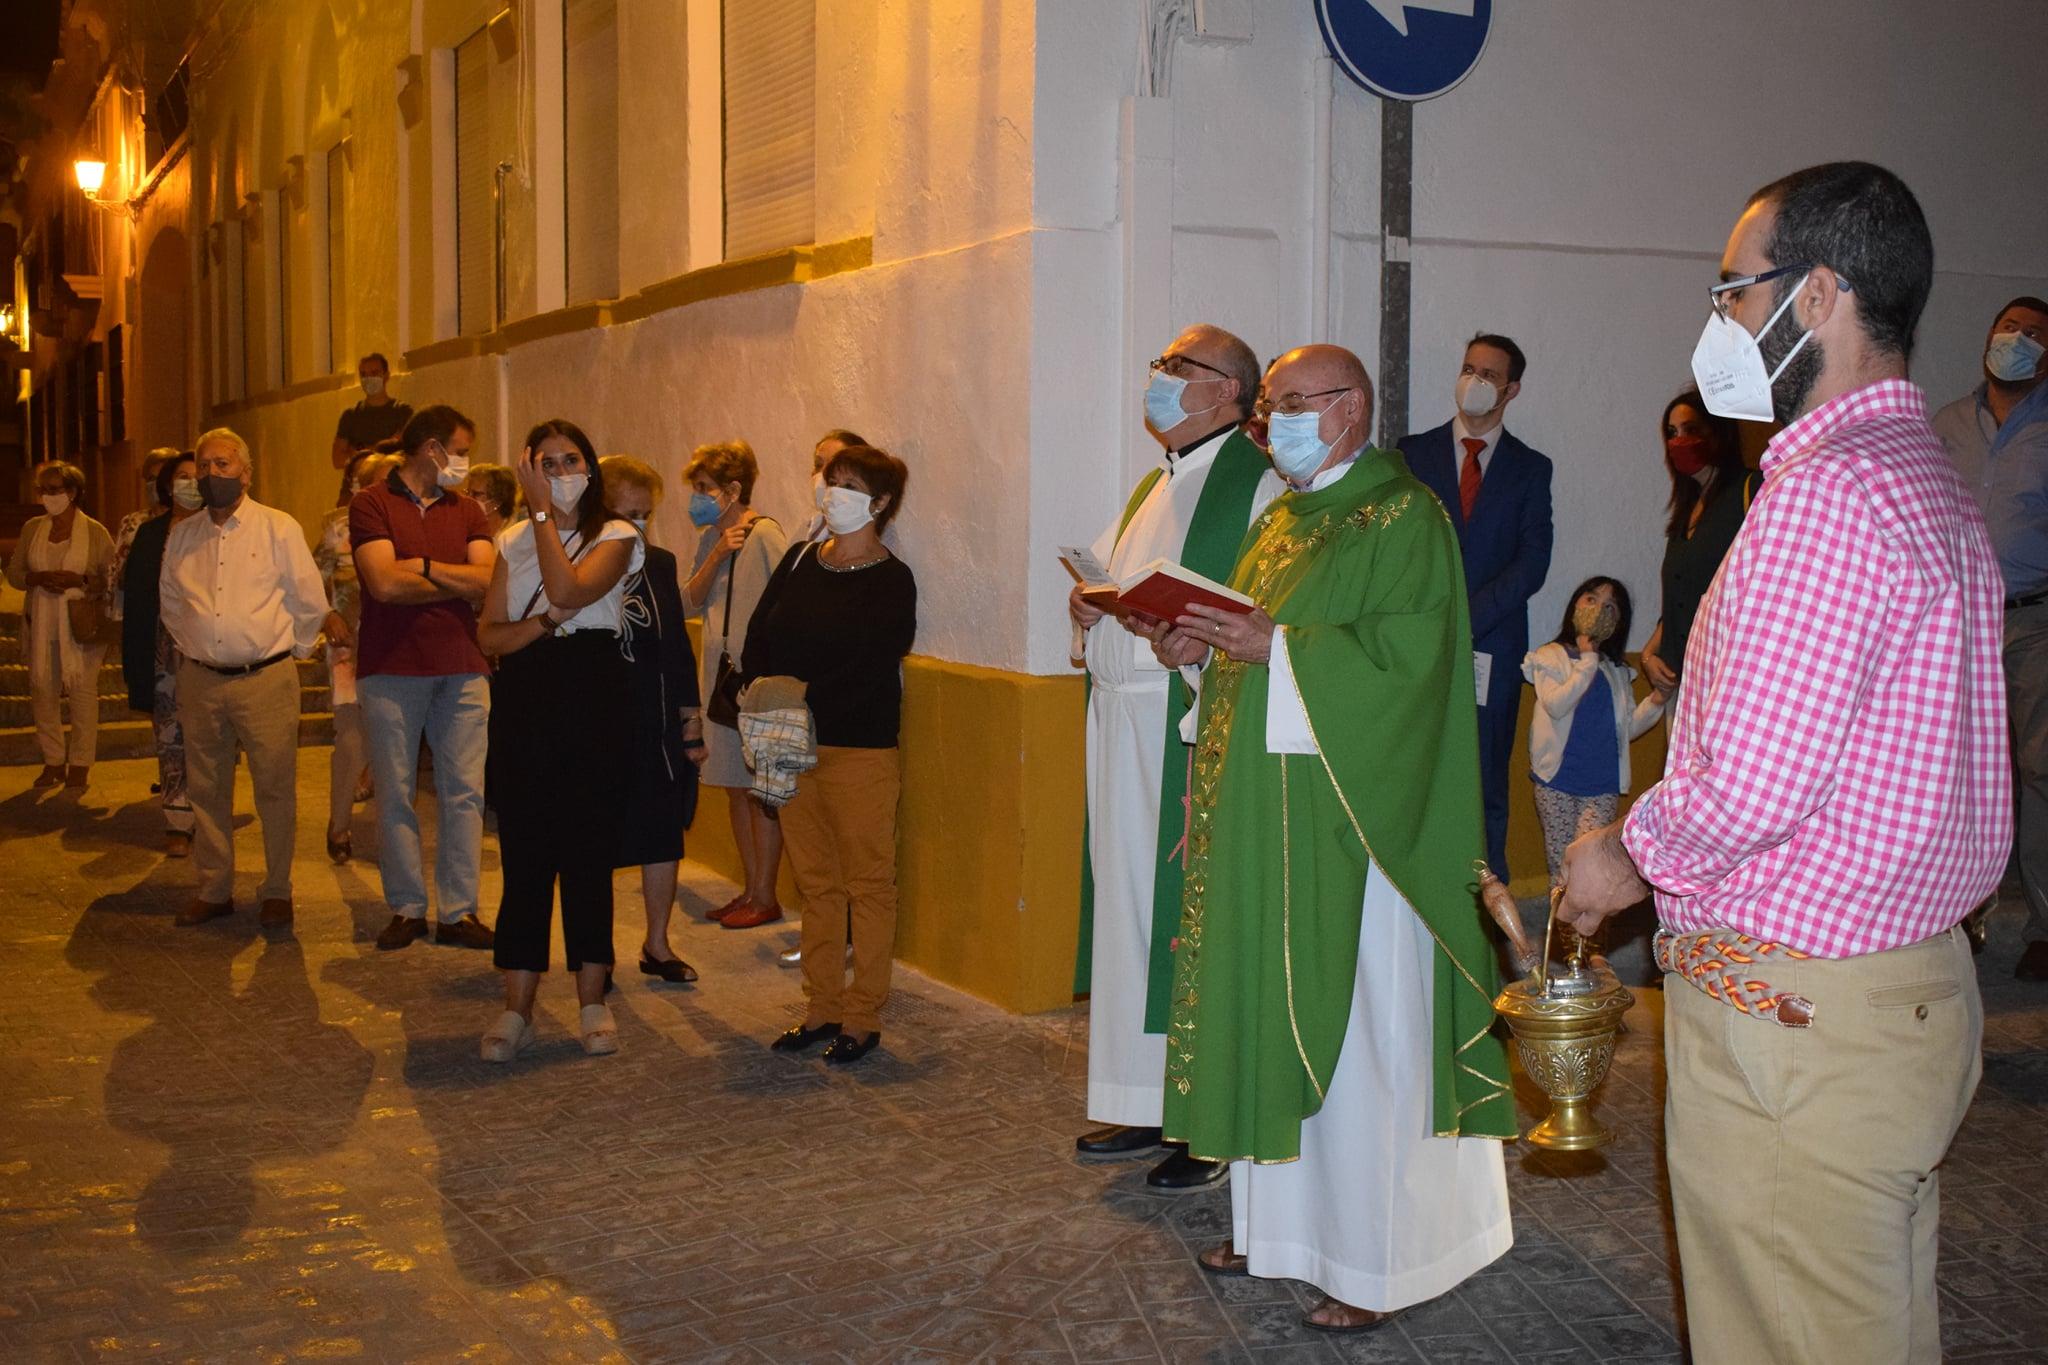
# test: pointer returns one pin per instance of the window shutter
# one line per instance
(254, 381)
(337, 258)
(590, 114)
(475, 169)
(770, 66)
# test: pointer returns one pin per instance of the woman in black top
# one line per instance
(149, 661)
(840, 615)
(1711, 490)
(668, 733)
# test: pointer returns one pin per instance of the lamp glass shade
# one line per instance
(91, 175)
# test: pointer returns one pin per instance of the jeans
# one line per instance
(453, 712)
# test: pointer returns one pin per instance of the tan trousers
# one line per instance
(1804, 1161)
(256, 714)
(840, 833)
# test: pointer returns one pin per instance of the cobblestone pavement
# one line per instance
(221, 1146)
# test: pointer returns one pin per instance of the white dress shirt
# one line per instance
(522, 576)
(243, 590)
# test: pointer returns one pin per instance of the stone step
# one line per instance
(133, 738)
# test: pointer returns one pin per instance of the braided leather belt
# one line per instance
(1721, 963)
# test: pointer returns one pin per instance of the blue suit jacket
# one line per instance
(1506, 545)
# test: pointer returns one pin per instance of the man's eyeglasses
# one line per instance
(1184, 367)
(1290, 404)
(1728, 293)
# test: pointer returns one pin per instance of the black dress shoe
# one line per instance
(796, 1037)
(1183, 1172)
(847, 1049)
(1119, 1139)
(2033, 963)
(671, 969)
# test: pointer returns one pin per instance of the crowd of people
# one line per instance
(1291, 983)
(480, 624)
(1291, 979)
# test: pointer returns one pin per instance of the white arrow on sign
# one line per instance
(1395, 12)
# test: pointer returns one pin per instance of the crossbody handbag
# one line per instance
(722, 707)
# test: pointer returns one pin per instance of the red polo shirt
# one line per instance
(425, 639)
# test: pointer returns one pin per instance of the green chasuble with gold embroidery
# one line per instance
(1364, 577)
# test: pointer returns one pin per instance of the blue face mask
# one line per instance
(704, 509)
(2012, 356)
(1297, 444)
(1164, 408)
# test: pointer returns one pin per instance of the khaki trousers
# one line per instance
(1804, 1161)
(840, 833)
(256, 714)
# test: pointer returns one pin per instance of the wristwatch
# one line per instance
(541, 516)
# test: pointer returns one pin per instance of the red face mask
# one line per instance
(1688, 454)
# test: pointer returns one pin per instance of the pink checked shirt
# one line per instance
(1837, 779)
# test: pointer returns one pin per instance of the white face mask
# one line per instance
(1729, 367)
(1476, 396)
(567, 490)
(373, 386)
(185, 493)
(845, 509)
(55, 503)
(818, 490)
(453, 473)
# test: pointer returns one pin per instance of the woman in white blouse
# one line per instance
(559, 729)
(63, 556)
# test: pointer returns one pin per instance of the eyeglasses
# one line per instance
(1290, 404)
(1179, 365)
(1728, 293)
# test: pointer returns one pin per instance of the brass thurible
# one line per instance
(1564, 1025)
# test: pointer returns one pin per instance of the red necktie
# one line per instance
(1469, 476)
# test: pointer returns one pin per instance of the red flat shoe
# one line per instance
(730, 907)
(751, 916)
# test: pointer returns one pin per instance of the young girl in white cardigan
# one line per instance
(1585, 716)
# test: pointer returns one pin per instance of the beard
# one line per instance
(1795, 385)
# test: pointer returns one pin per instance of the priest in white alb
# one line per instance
(1192, 508)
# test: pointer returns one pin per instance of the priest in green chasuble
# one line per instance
(1331, 1028)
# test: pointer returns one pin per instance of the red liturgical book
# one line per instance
(1164, 590)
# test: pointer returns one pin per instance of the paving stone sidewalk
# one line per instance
(221, 1146)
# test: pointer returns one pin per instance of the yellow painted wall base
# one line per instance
(989, 831)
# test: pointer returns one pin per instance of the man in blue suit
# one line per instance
(1497, 491)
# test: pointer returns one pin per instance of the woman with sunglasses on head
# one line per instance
(559, 733)
(840, 615)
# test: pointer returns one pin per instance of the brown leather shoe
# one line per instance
(52, 775)
(751, 916)
(736, 904)
(275, 914)
(75, 778)
(402, 930)
(177, 844)
(199, 912)
(467, 932)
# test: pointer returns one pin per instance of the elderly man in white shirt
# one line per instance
(242, 599)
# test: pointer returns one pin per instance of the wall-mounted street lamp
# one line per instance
(91, 175)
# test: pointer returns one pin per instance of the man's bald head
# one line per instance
(1333, 381)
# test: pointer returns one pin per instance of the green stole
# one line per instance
(1210, 548)
(1365, 576)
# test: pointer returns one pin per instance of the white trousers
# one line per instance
(1377, 1213)
(1126, 1065)
(49, 647)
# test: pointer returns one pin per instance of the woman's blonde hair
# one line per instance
(627, 470)
(726, 462)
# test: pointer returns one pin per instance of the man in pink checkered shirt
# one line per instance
(1837, 786)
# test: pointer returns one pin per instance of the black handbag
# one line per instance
(722, 707)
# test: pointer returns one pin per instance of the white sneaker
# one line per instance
(600, 1032)
(511, 1033)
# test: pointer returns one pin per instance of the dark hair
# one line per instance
(167, 474)
(1615, 647)
(377, 356)
(841, 435)
(2027, 301)
(1725, 438)
(1861, 222)
(437, 422)
(590, 510)
(1517, 362)
(883, 473)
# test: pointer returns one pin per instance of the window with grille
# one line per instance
(590, 119)
(769, 63)
(337, 257)
(476, 161)
(282, 232)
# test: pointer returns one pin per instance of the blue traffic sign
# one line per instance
(1406, 49)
